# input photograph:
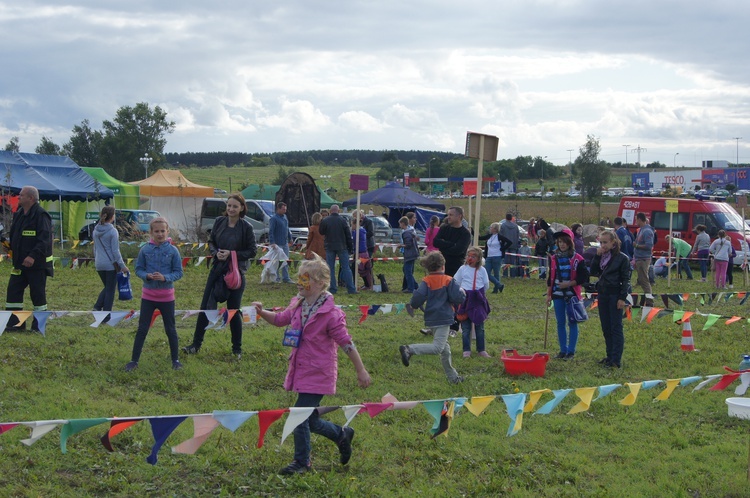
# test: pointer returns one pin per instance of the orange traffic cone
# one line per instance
(687, 337)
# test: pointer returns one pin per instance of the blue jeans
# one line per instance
(346, 270)
(411, 284)
(567, 343)
(285, 270)
(703, 255)
(611, 319)
(313, 424)
(107, 296)
(685, 265)
(466, 335)
(144, 321)
(493, 265)
(234, 302)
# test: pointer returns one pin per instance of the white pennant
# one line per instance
(297, 415)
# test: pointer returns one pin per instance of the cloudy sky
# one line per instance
(252, 76)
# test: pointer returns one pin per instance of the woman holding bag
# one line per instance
(107, 258)
(230, 233)
(567, 272)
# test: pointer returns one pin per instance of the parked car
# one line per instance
(383, 231)
(130, 223)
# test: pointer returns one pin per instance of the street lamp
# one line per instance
(145, 161)
(738, 151)
(626, 154)
(570, 163)
(674, 161)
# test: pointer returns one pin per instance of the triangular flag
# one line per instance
(297, 415)
(585, 394)
(434, 408)
(99, 316)
(446, 415)
(648, 384)
(712, 318)
(363, 308)
(232, 419)
(534, 397)
(22, 317)
(478, 404)
(373, 409)
(116, 317)
(606, 390)
(161, 428)
(40, 429)
(7, 427)
(4, 317)
(203, 426)
(689, 380)
(560, 395)
(157, 313)
(724, 382)
(709, 378)
(398, 405)
(265, 419)
(76, 426)
(651, 314)
(350, 411)
(635, 388)
(116, 427)
(667, 392)
(514, 404)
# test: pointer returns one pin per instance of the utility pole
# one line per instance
(626, 154)
(640, 149)
(737, 165)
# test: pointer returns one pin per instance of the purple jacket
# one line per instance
(313, 366)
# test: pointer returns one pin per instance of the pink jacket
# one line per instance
(313, 367)
(429, 236)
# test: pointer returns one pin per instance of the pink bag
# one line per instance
(232, 277)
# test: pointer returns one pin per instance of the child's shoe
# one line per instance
(467, 354)
(176, 365)
(484, 354)
(345, 445)
(295, 468)
(131, 366)
(405, 354)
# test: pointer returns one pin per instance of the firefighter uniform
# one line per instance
(30, 235)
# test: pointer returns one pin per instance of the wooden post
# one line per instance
(478, 210)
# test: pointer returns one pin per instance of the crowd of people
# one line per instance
(452, 295)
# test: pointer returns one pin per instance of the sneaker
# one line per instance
(730, 286)
(191, 349)
(345, 445)
(603, 361)
(561, 356)
(484, 354)
(294, 468)
(426, 331)
(467, 354)
(131, 366)
(405, 355)
(176, 365)
(452, 333)
(457, 380)
(237, 353)
(569, 356)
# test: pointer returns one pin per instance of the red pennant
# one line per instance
(364, 308)
(185, 261)
(628, 313)
(156, 314)
(6, 427)
(265, 419)
(116, 427)
(725, 381)
(733, 319)
(652, 314)
(373, 409)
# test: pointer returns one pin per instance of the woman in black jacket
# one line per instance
(613, 269)
(230, 233)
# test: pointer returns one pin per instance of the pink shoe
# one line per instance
(484, 354)
(467, 354)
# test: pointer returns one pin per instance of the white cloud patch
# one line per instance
(361, 121)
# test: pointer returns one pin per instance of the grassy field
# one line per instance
(684, 446)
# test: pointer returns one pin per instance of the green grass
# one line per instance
(685, 446)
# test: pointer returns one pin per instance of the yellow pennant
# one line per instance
(585, 393)
(534, 397)
(666, 393)
(635, 388)
(478, 404)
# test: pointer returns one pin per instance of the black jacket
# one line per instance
(369, 227)
(246, 249)
(615, 278)
(31, 235)
(452, 243)
(338, 235)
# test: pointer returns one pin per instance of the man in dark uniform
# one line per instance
(31, 245)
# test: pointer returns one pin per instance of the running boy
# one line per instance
(439, 292)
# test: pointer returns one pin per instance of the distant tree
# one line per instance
(47, 146)
(281, 175)
(13, 145)
(593, 173)
(731, 187)
(84, 145)
(135, 132)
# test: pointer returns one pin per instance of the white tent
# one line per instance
(176, 198)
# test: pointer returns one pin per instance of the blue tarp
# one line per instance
(56, 177)
(394, 195)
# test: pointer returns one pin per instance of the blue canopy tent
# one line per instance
(57, 178)
(399, 200)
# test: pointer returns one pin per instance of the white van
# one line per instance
(258, 215)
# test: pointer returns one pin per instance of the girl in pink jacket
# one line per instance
(314, 329)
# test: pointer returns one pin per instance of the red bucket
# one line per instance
(519, 364)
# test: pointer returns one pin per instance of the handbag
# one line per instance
(233, 277)
(123, 287)
(576, 311)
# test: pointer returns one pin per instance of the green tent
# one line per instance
(76, 215)
(269, 194)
